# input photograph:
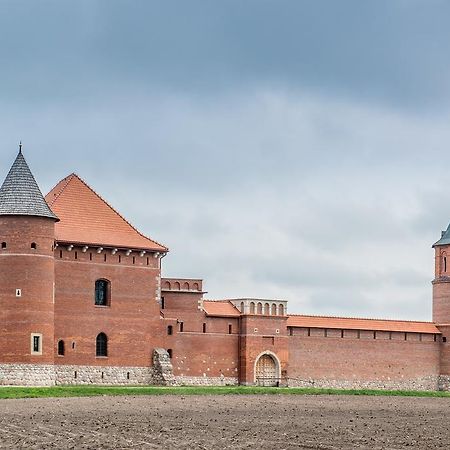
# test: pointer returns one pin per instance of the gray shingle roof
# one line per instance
(20, 194)
(445, 238)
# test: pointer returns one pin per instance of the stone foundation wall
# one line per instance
(27, 375)
(430, 383)
(103, 375)
(206, 381)
(444, 383)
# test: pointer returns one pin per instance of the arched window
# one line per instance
(3, 244)
(281, 310)
(252, 308)
(101, 347)
(34, 245)
(177, 285)
(186, 286)
(61, 348)
(242, 307)
(102, 292)
(274, 309)
(195, 287)
(266, 309)
(259, 308)
(167, 285)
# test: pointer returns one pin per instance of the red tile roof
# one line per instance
(220, 308)
(361, 324)
(85, 218)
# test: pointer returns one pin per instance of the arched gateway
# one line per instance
(267, 372)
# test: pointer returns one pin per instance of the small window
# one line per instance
(252, 308)
(134, 259)
(34, 245)
(181, 326)
(445, 264)
(104, 257)
(76, 255)
(259, 309)
(148, 260)
(102, 292)
(169, 351)
(3, 244)
(101, 345)
(90, 256)
(128, 375)
(120, 259)
(230, 328)
(204, 328)
(36, 344)
(60, 253)
(444, 339)
(75, 374)
(61, 348)
(170, 330)
(162, 303)
(73, 345)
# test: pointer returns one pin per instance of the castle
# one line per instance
(82, 301)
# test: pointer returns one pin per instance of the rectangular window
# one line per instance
(230, 328)
(36, 344)
(181, 326)
(204, 328)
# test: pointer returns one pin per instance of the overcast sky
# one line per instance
(280, 149)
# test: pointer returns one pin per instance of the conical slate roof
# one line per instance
(445, 238)
(20, 195)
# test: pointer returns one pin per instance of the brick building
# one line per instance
(82, 300)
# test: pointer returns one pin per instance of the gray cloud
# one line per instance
(292, 150)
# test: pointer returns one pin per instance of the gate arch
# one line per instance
(267, 369)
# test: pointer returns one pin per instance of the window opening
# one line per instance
(90, 256)
(230, 328)
(33, 245)
(61, 348)
(3, 244)
(169, 351)
(101, 345)
(181, 326)
(204, 328)
(101, 292)
(76, 255)
(36, 344)
(128, 375)
(170, 330)
(60, 253)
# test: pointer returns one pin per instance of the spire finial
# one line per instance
(20, 147)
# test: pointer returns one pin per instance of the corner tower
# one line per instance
(27, 232)
(441, 282)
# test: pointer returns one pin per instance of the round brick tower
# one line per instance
(441, 282)
(27, 276)
(441, 303)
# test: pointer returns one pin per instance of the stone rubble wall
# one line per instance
(431, 383)
(206, 381)
(74, 375)
(444, 383)
(27, 375)
(162, 368)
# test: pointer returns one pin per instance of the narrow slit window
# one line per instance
(204, 328)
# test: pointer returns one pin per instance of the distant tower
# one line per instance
(441, 282)
(27, 275)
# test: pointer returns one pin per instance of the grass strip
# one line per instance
(91, 391)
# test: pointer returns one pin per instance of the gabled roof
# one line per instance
(445, 238)
(347, 323)
(220, 308)
(20, 194)
(85, 218)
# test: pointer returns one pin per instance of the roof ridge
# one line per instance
(74, 175)
(56, 195)
(359, 318)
